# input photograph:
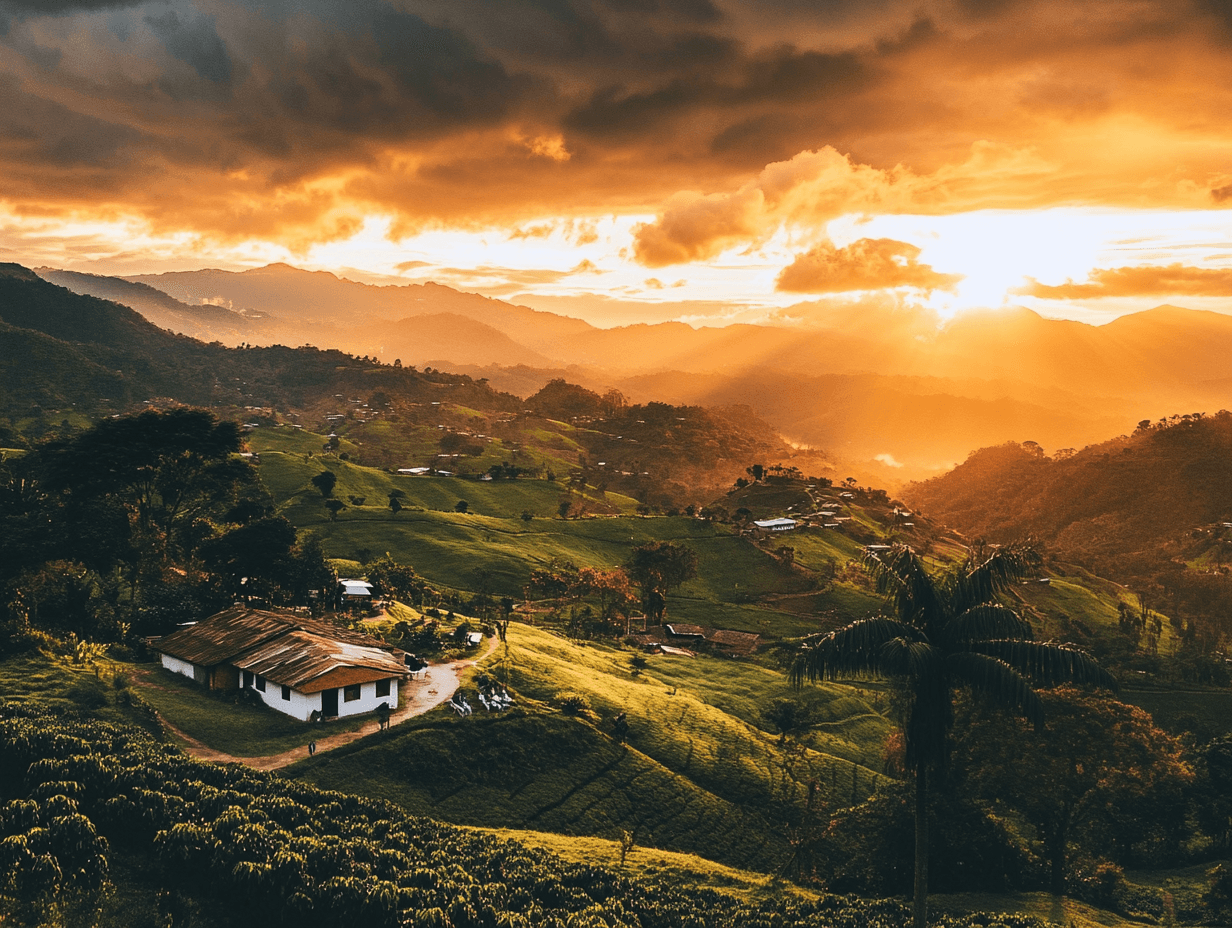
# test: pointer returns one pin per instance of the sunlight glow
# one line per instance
(590, 259)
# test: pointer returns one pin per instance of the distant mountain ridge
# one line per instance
(1139, 498)
(883, 383)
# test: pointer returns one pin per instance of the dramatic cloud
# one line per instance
(866, 264)
(1149, 280)
(816, 186)
(291, 121)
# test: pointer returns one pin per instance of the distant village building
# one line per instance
(775, 525)
(295, 664)
(356, 589)
(668, 639)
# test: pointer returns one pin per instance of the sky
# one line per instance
(636, 160)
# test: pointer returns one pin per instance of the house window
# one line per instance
(350, 693)
(247, 679)
(261, 683)
(286, 693)
(382, 687)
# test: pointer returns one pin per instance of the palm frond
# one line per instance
(1048, 663)
(981, 582)
(984, 621)
(909, 657)
(998, 682)
(853, 651)
(899, 575)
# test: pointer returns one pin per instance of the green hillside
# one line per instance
(697, 773)
(740, 584)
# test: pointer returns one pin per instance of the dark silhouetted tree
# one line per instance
(945, 632)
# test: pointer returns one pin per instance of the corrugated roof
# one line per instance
(223, 635)
(741, 639)
(343, 676)
(297, 658)
(678, 628)
(283, 647)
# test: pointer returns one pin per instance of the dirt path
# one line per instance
(436, 688)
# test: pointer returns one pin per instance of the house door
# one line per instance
(329, 703)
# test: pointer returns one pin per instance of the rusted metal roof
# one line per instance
(343, 676)
(223, 635)
(285, 648)
(734, 639)
(297, 658)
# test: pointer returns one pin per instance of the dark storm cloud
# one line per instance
(298, 113)
(701, 11)
(36, 133)
(194, 41)
(60, 7)
(784, 75)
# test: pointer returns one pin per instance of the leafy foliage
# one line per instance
(291, 854)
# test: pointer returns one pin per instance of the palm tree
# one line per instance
(946, 632)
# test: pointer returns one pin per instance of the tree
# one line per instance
(658, 567)
(255, 559)
(947, 632)
(1099, 770)
(392, 580)
(395, 504)
(325, 481)
(334, 506)
(610, 586)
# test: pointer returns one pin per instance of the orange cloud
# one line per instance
(866, 264)
(816, 186)
(292, 122)
(1148, 280)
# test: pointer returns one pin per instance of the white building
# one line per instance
(294, 664)
(776, 525)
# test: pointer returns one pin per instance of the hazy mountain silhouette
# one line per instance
(858, 381)
(1137, 499)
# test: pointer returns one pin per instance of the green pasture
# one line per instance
(677, 726)
(692, 776)
(543, 771)
(847, 722)
(667, 867)
(288, 476)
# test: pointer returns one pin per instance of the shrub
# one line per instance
(573, 704)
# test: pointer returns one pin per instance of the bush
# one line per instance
(573, 704)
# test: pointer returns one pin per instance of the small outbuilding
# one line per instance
(775, 525)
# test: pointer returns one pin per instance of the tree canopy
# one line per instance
(946, 632)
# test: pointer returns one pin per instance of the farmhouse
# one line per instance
(295, 664)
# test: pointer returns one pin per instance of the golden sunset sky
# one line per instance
(636, 160)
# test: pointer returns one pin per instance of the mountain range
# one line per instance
(895, 392)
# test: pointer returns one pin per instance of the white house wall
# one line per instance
(368, 699)
(175, 665)
(301, 705)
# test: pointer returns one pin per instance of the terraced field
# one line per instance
(692, 776)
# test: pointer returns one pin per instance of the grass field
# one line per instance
(491, 545)
(693, 776)
(670, 867)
